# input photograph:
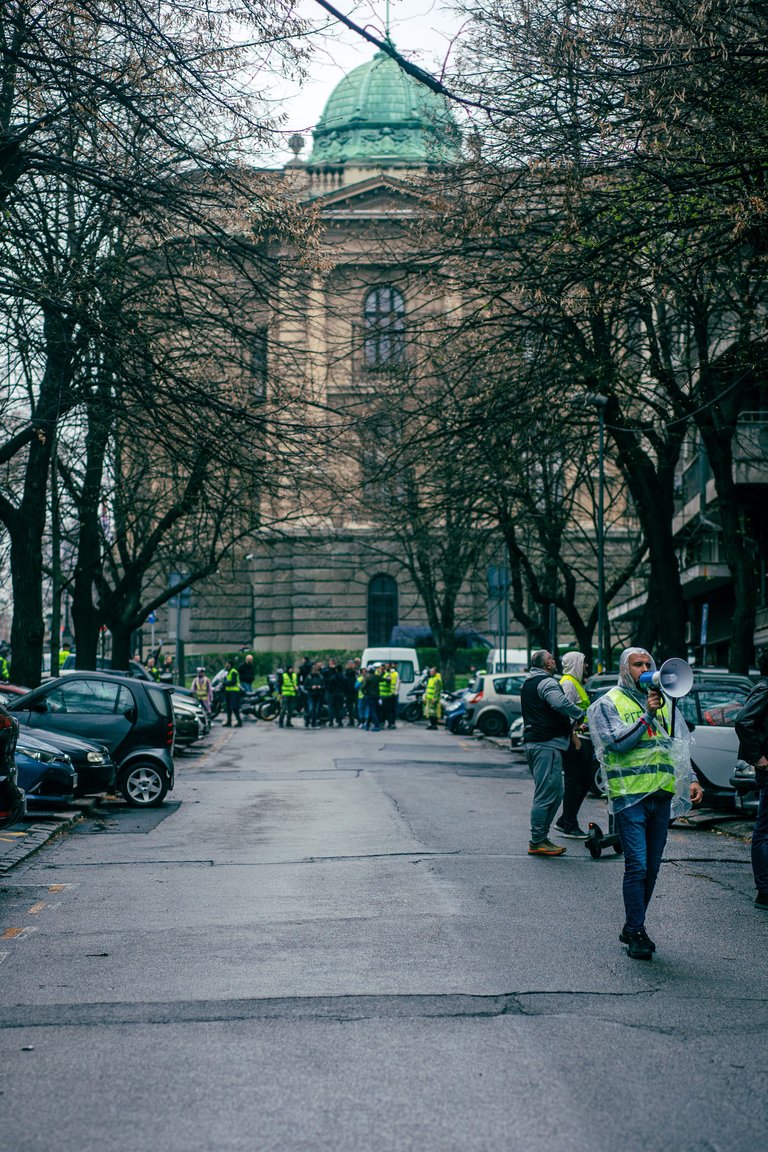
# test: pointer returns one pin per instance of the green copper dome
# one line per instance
(378, 114)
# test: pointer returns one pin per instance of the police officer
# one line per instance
(232, 694)
(288, 690)
(432, 697)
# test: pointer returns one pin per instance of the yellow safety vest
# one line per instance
(434, 688)
(648, 767)
(290, 684)
(233, 681)
(580, 691)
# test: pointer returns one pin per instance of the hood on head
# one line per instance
(625, 679)
(573, 665)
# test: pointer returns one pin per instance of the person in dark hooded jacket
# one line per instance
(752, 730)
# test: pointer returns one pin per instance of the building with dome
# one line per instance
(324, 578)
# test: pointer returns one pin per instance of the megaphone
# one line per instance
(675, 678)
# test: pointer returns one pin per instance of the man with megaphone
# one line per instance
(643, 747)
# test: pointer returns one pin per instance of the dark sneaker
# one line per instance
(625, 936)
(639, 946)
(761, 900)
(571, 832)
(545, 848)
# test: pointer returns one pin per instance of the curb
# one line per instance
(22, 840)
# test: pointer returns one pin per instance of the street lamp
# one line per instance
(596, 400)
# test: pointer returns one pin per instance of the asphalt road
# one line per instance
(334, 940)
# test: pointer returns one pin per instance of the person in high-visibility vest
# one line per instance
(433, 697)
(386, 698)
(394, 681)
(232, 694)
(5, 672)
(287, 690)
(643, 748)
(578, 765)
(202, 689)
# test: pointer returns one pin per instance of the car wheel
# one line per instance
(144, 785)
(492, 724)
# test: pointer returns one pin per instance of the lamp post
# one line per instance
(596, 400)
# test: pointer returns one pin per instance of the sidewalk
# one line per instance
(19, 841)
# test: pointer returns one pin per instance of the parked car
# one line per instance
(95, 768)
(104, 664)
(12, 800)
(600, 683)
(10, 691)
(516, 734)
(132, 718)
(46, 774)
(190, 720)
(710, 710)
(494, 703)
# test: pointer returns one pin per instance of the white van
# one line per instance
(507, 660)
(405, 660)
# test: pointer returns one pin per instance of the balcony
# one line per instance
(750, 449)
(750, 467)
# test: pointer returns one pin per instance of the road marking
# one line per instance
(17, 933)
(38, 907)
(4, 956)
(57, 887)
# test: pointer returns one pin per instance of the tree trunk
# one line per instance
(27, 528)
(27, 628)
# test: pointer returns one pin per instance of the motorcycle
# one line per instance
(413, 708)
(266, 702)
(455, 712)
(249, 702)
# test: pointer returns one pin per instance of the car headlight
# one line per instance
(43, 757)
(95, 758)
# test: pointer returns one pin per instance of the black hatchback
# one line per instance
(12, 803)
(132, 718)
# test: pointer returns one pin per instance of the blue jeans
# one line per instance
(643, 829)
(760, 843)
(312, 710)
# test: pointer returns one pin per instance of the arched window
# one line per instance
(384, 324)
(382, 610)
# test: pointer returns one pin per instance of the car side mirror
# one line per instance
(39, 705)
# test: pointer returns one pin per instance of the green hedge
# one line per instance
(465, 658)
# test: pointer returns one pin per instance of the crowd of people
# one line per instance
(352, 695)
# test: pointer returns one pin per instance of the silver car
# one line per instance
(494, 702)
(711, 713)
